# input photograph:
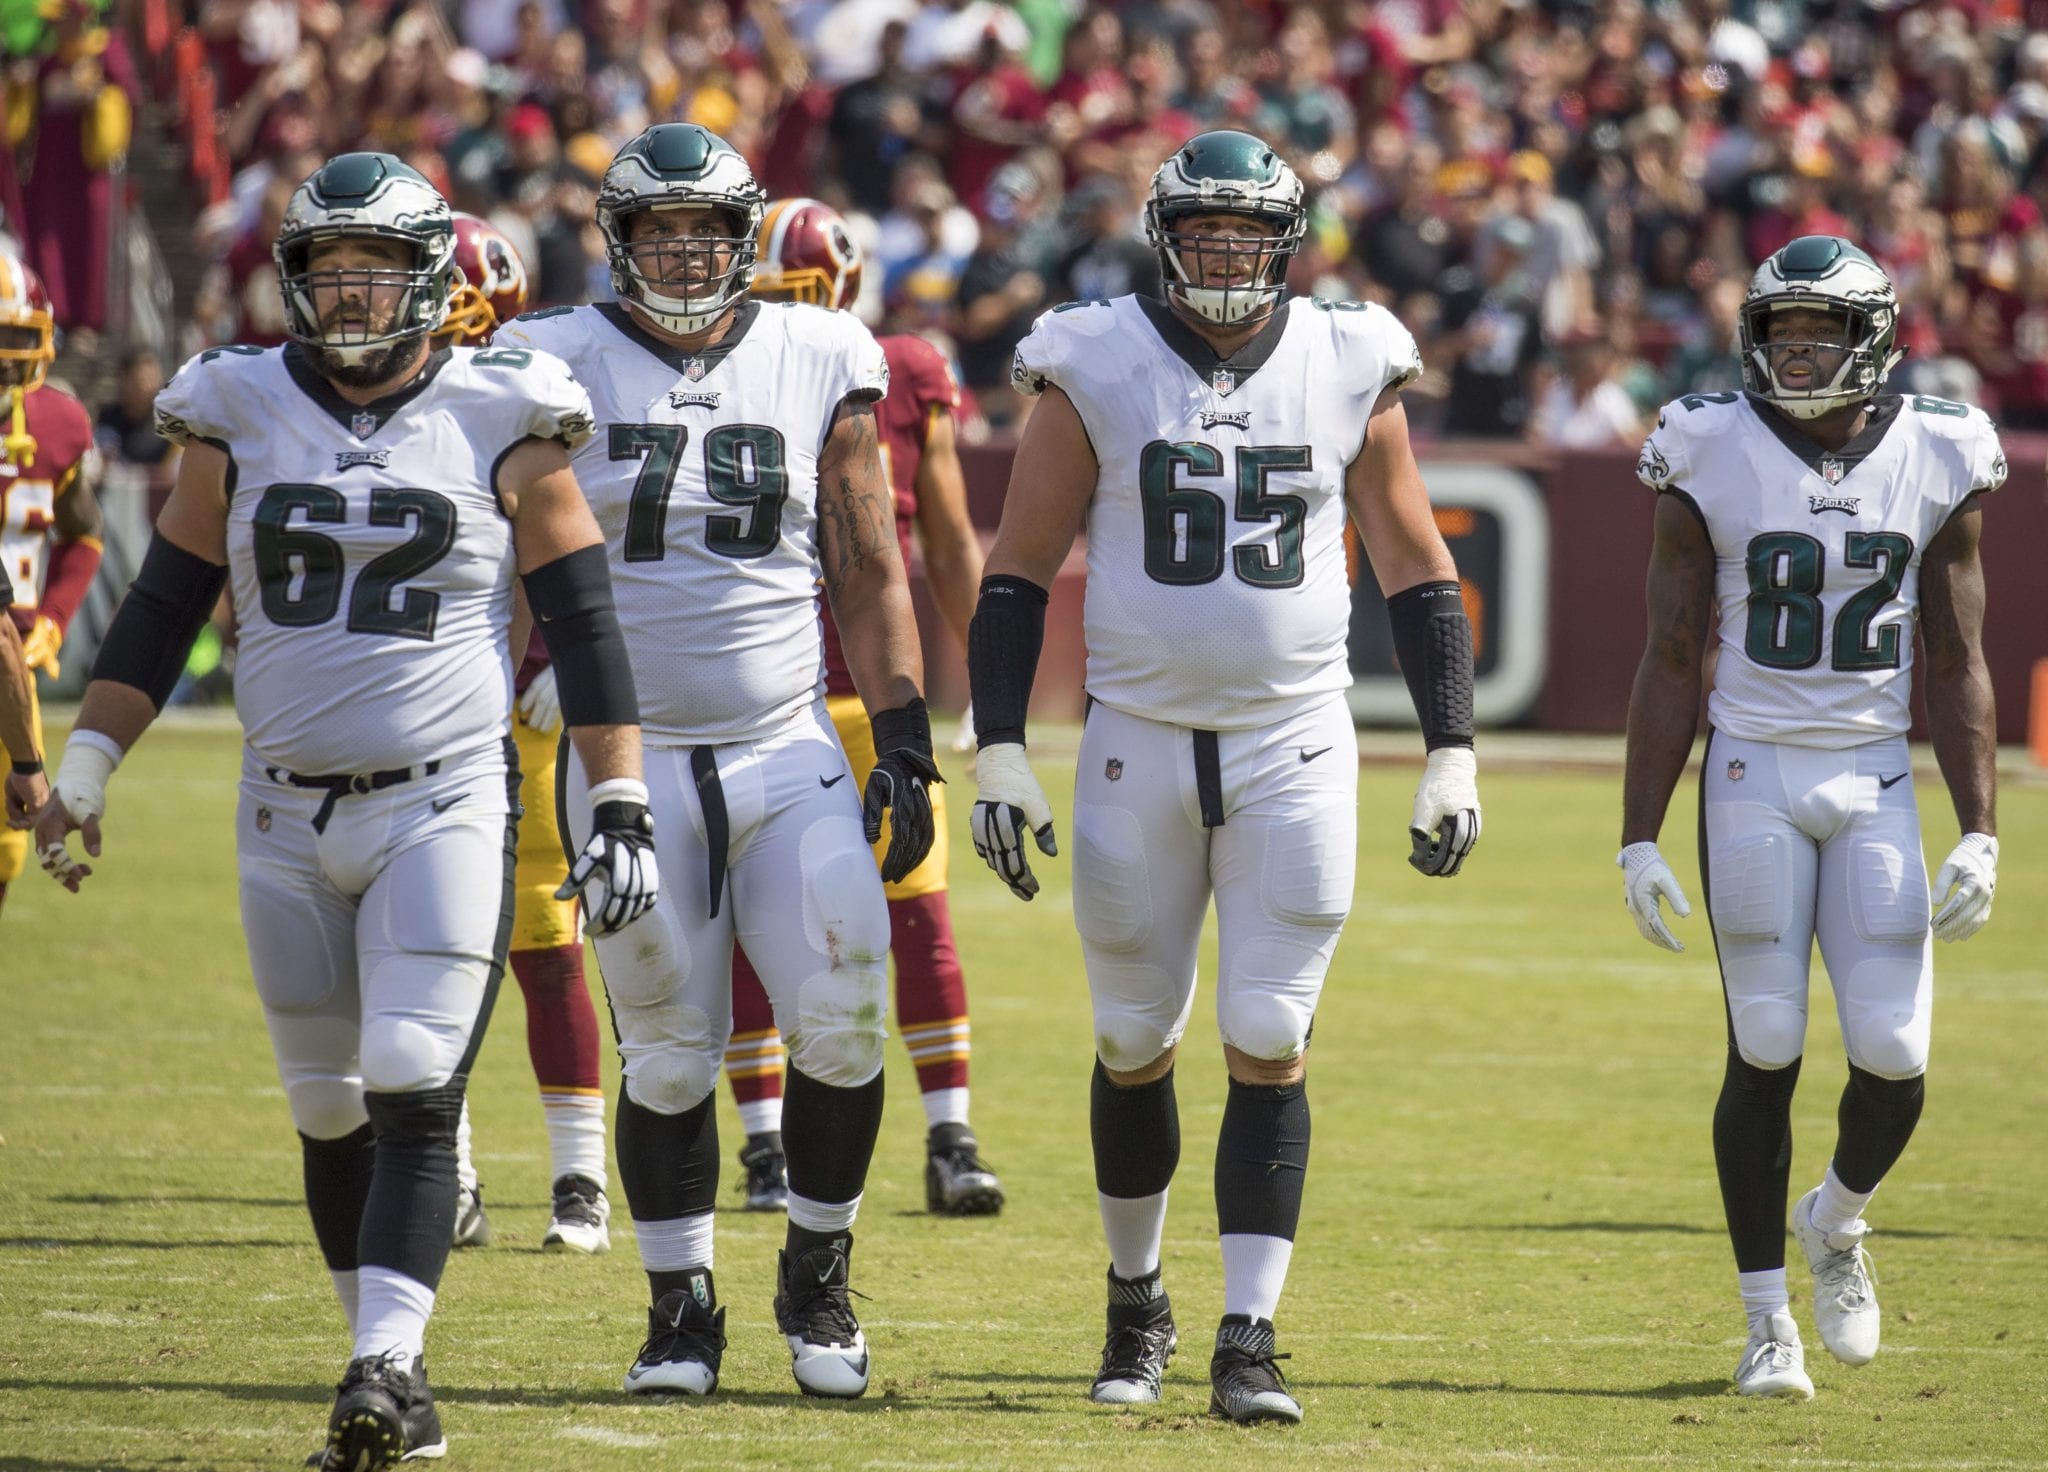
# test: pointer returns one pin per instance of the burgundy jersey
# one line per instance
(920, 386)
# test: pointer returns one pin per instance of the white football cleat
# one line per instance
(581, 1220)
(1774, 1362)
(828, 1353)
(1844, 1287)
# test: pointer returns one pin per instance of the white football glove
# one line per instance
(1650, 879)
(540, 705)
(614, 875)
(1445, 825)
(1010, 803)
(1965, 885)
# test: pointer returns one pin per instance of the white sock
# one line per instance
(393, 1311)
(1763, 1294)
(762, 1116)
(1837, 1208)
(465, 1167)
(944, 1106)
(823, 1216)
(576, 1135)
(678, 1243)
(1254, 1272)
(1133, 1225)
(345, 1290)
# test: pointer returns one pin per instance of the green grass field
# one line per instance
(1511, 1254)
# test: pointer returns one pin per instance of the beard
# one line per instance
(373, 368)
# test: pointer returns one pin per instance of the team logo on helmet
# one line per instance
(807, 255)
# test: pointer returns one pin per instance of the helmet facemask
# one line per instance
(1253, 270)
(27, 349)
(381, 310)
(683, 282)
(1844, 371)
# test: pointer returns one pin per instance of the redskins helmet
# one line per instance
(25, 305)
(807, 255)
(493, 288)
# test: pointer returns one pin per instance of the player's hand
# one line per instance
(1648, 880)
(899, 784)
(1964, 886)
(26, 794)
(1445, 824)
(40, 644)
(540, 704)
(1011, 802)
(56, 822)
(614, 875)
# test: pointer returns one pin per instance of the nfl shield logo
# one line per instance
(1113, 769)
(1736, 770)
(263, 820)
(1832, 470)
(694, 370)
(364, 424)
(1223, 381)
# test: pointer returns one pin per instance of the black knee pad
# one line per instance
(1262, 1159)
(1136, 1132)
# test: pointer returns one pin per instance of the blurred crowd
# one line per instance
(1562, 199)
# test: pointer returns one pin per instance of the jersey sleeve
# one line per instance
(865, 368)
(1057, 342)
(560, 406)
(1664, 464)
(1987, 455)
(194, 404)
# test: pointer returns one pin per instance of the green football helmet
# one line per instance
(1825, 273)
(1230, 173)
(680, 166)
(375, 196)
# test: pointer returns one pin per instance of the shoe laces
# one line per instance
(1776, 1355)
(1135, 1351)
(1248, 1369)
(1849, 1277)
(691, 1331)
(825, 1310)
(576, 1199)
(382, 1372)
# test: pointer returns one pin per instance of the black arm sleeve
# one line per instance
(1434, 642)
(571, 599)
(1003, 644)
(152, 633)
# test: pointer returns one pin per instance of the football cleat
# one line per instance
(957, 1182)
(1844, 1287)
(1134, 1359)
(582, 1218)
(685, 1343)
(1245, 1384)
(767, 1179)
(472, 1226)
(1774, 1361)
(814, 1309)
(383, 1415)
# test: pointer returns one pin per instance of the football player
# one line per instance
(1815, 521)
(371, 503)
(735, 463)
(547, 940)
(27, 787)
(806, 255)
(49, 521)
(1213, 443)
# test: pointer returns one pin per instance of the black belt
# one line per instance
(717, 827)
(1208, 779)
(337, 788)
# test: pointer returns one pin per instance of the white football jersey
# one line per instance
(1817, 554)
(1217, 593)
(704, 476)
(369, 561)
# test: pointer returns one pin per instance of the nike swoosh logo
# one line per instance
(832, 781)
(442, 804)
(1888, 781)
(1309, 756)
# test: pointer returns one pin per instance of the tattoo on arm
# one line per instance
(854, 512)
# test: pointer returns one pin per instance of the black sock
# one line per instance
(337, 1174)
(1753, 1155)
(1137, 1302)
(828, 1136)
(799, 1240)
(697, 1282)
(1136, 1134)
(1262, 1159)
(668, 1163)
(409, 1213)
(1875, 1120)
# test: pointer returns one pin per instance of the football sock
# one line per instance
(828, 1138)
(668, 1164)
(931, 1001)
(1261, 1164)
(1874, 1121)
(944, 1106)
(1132, 1226)
(1254, 1273)
(465, 1164)
(576, 1144)
(409, 1213)
(1763, 1294)
(822, 1219)
(761, 1116)
(700, 1283)
(678, 1244)
(1136, 1137)
(1835, 1206)
(346, 1289)
(393, 1310)
(562, 1045)
(1753, 1157)
(1137, 1301)
(337, 1175)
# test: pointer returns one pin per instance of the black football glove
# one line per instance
(903, 769)
(614, 874)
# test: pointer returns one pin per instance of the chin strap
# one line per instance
(18, 444)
